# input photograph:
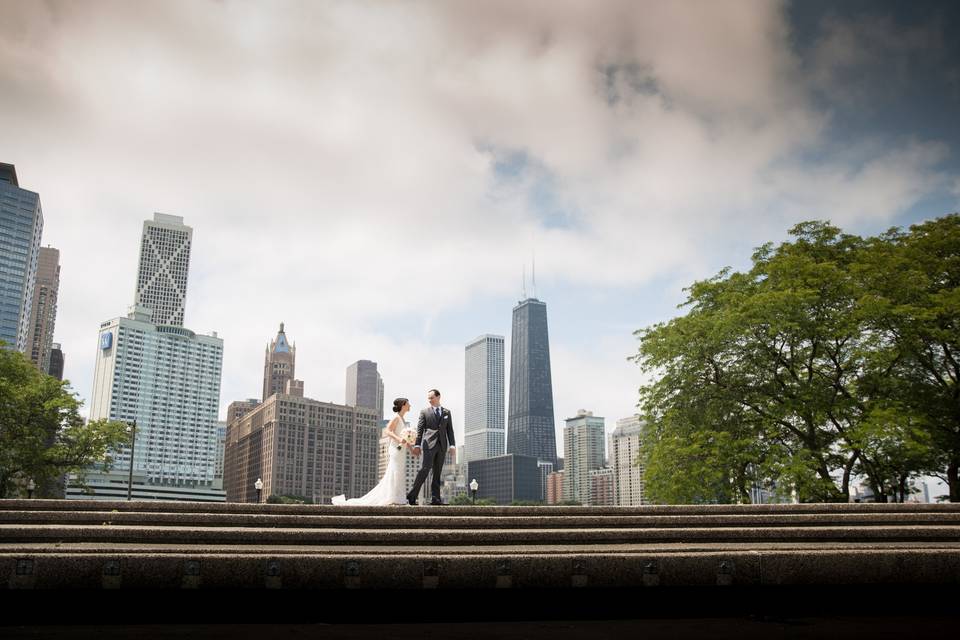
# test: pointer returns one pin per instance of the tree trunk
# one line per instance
(847, 470)
(879, 495)
(953, 479)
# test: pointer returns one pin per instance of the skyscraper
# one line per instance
(154, 373)
(627, 465)
(530, 423)
(279, 363)
(218, 460)
(56, 362)
(601, 487)
(43, 311)
(21, 225)
(167, 380)
(483, 415)
(164, 264)
(582, 453)
(365, 386)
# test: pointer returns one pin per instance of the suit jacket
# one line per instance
(432, 432)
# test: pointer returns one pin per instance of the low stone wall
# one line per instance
(174, 546)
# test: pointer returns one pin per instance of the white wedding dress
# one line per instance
(392, 488)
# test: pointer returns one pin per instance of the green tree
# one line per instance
(463, 499)
(42, 435)
(895, 447)
(781, 376)
(914, 300)
(276, 498)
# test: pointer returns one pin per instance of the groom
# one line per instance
(435, 434)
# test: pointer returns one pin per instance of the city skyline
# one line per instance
(581, 135)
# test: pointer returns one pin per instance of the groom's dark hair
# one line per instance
(435, 392)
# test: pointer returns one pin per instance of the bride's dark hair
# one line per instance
(398, 404)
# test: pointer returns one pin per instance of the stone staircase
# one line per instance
(49, 544)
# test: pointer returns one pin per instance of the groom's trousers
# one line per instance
(432, 461)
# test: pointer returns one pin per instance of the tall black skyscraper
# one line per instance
(530, 426)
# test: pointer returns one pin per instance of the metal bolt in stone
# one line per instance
(725, 572)
(273, 568)
(651, 573)
(111, 568)
(579, 577)
(24, 567)
(431, 574)
(352, 569)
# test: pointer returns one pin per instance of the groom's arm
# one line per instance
(450, 440)
(421, 423)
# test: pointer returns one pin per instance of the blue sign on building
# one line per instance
(106, 340)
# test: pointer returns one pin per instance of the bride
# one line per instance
(392, 487)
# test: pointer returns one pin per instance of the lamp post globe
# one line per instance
(474, 485)
(31, 485)
(258, 485)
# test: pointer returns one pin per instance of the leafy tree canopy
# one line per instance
(42, 435)
(834, 356)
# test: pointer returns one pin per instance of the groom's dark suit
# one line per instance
(434, 437)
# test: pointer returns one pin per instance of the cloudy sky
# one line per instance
(377, 174)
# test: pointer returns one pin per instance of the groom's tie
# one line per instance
(437, 413)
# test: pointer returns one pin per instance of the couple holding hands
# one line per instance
(432, 439)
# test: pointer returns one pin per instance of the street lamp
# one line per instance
(258, 485)
(31, 485)
(133, 444)
(474, 485)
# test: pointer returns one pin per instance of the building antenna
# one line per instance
(534, 251)
(523, 285)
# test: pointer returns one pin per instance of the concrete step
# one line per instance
(432, 520)
(446, 536)
(506, 570)
(154, 506)
(162, 545)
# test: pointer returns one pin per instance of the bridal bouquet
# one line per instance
(409, 434)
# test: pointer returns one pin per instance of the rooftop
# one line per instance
(8, 173)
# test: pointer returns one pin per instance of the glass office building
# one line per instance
(530, 422)
(21, 224)
(484, 412)
(506, 478)
(167, 379)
